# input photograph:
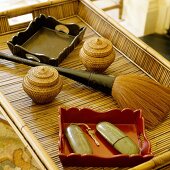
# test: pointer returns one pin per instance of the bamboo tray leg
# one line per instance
(25, 134)
(154, 163)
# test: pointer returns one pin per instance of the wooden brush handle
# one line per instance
(19, 60)
(155, 162)
(97, 81)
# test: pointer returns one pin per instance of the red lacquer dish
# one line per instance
(128, 121)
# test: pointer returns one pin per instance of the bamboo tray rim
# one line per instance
(34, 5)
(25, 134)
(83, 1)
(107, 18)
(126, 33)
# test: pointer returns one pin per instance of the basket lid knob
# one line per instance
(42, 84)
(43, 76)
(97, 54)
(98, 47)
(98, 41)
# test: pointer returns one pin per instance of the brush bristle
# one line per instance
(139, 92)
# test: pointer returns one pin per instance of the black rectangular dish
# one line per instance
(46, 40)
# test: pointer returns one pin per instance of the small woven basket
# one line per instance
(42, 84)
(97, 54)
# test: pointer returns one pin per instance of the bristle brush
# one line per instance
(130, 91)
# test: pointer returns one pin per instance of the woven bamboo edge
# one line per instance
(146, 58)
(56, 8)
(117, 49)
(31, 8)
(25, 142)
(136, 51)
(26, 136)
(126, 33)
(156, 162)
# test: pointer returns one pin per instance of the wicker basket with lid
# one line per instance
(42, 84)
(97, 54)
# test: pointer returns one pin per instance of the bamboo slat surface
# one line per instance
(43, 119)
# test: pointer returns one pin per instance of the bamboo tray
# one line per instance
(38, 125)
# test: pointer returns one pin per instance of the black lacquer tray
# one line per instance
(46, 40)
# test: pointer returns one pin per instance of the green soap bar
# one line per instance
(117, 138)
(78, 140)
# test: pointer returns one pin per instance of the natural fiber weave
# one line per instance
(97, 54)
(56, 8)
(134, 49)
(98, 47)
(42, 120)
(42, 84)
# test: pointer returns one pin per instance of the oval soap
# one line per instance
(118, 139)
(78, 140)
